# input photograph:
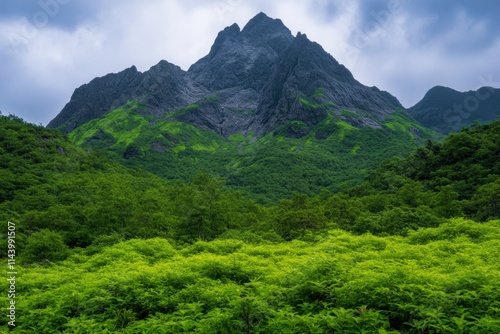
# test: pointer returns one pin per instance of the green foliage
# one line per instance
(44, 245)
(297, 216)
(106, 249)
(123, 125)
(23, 146)
(432, 281)
(87, 189)
(486, 201)
(458, 177)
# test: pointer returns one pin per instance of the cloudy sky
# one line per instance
(50, 47)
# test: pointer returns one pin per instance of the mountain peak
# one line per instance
(260, 18)
(440, 89)
(232, 30)
(228, 32)
(262, 24)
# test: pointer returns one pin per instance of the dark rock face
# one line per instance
(239, 63)
(447, 110)
(253, 79)
(163, 88)
(94, 99)
(299, 73)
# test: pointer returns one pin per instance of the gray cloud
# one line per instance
(50, 47)
(65, 14)
(476, 23)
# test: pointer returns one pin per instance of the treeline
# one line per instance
(56, 191)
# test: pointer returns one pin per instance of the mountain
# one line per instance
(271, 112)
(447, 110)
(258, 78)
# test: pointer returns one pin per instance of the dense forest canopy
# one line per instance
(103, 248)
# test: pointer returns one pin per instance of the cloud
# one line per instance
(50, 47)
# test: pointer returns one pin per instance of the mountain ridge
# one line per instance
(447, 110)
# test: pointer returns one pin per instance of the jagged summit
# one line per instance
(256, 79)
(262, 25)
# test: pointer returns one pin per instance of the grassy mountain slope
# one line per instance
(294, 158)
(53, 188)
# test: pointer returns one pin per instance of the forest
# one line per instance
(103, 248)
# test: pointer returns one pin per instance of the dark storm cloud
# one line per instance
(476, 22)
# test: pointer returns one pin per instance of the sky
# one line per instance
(48, 48)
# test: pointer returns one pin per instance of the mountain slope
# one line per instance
(293, 158)
(447, 110)
(307, 70)
(163, 84)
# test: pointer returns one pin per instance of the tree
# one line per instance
(296, 216)
(45, 245)
(487, 201)
(447, 204)
(199, 208)
(342, 210)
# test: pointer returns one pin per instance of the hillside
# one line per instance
(50, 185)
(293, 158)
(48, 182)
(446, 110)
(106, 249)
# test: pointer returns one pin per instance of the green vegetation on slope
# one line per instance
(268, 168)
(24, 146)
(463, 170)
(48, 183)
(103, 249)
(123, 125)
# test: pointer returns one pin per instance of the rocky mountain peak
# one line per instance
(262, 25)
(240, 62)
(96, 98)
(256, 79)
(228, 35)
